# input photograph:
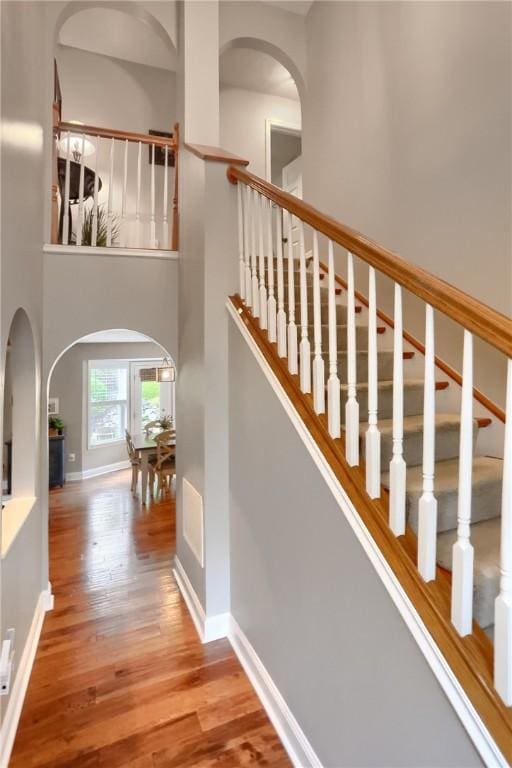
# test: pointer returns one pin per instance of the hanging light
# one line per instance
(166, 372)
(75, 145)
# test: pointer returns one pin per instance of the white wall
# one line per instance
(243, 116)
(111, 93)
(407, 137)
(69, 384)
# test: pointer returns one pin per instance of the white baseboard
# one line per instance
(97, 471)
(299, 750)
(22, 677)
(208, 628)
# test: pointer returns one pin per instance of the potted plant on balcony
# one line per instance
(55, 426)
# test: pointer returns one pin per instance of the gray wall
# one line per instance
(69, 384)
(407, 137)
(310, 603)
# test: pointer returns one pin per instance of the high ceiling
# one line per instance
(295, 6)
(256, 71)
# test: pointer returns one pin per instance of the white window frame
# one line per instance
(110, 363)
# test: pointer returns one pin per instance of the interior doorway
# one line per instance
(284, 156)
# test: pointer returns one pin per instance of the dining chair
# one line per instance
(164, 465)
(134, 461)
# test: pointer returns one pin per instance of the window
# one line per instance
(107, 401)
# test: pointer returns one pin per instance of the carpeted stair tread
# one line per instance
(485, 538)
(486, 493)
(413, 398)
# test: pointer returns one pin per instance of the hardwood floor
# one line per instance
(121, 678)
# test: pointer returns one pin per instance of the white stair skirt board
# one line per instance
(208, 628)
(97, 471)
(22, 677)
(292, 737)
(469, 717)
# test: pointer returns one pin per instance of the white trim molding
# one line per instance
(22, 677)
(97, 471)
(208, 628)
(471, 720)
(88, 250)
(299, 750)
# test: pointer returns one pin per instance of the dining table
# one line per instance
(146, 446)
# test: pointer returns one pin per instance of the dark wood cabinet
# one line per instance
(56, 461)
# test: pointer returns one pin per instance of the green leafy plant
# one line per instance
(101, 233)
(166, 422)
(55, 423)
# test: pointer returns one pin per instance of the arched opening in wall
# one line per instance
(20, 430)
(260, 111)
(116, 71)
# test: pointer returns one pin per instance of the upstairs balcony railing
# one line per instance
(113, 188)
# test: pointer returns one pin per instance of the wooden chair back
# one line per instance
(164, 451)
(132, 453)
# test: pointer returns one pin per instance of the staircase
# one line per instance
(487, 475)
(424, 458)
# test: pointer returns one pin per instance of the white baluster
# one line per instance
(281, 314)
(503, 603)
(261, 252)
(333, 382)
(241, 265)
(165, 211)
(463, 553)
(137, 200)
(351, 406)
(271, 303)
(247, 247)
(124, 238)
(81, 196)
(427, 506)
(94, 233)
(65, 229)
(372, 433)
(254, 257)
(305, 346)
(397, 468)
(110, 195)
(152, 228)
(318, 363)
(293, 359)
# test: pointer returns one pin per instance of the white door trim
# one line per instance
(270, 123)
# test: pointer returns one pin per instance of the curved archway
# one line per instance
(264, 46)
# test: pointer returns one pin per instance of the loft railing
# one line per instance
(109, 190)
(262, 277)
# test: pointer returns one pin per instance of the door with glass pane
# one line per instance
(151, 399)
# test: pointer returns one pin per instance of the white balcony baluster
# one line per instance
(80, 224)
(271, 303)
(247, 247)
(110, 194)
(281, 314)
(124, 238)
(397, 467)
(254, 257)
(241, 264)
(261, 252)
(318, 362)
(503, 603)
(293, 361)
(137, 202)
(427, 506)
(152, 228)
(165, 211)
(305, 346)
(94, 229)
(372, 448)
(66, 217)
(463, 553)
(333, 382)
(351, 406)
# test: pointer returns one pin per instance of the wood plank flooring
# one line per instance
(121, 678)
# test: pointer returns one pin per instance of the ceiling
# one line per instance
(116, 336)
(294, 6)
(256, 71)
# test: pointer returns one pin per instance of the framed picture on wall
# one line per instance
(53, 406)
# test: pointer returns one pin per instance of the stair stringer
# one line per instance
(463, 706)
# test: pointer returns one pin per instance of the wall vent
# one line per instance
(193, 520)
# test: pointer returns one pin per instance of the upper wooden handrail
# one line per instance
(111, 133)
(490, 325)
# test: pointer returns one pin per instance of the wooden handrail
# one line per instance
(491, 326)
(110, 133)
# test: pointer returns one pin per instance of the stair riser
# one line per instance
(384, 366)
(413, 403)
(447, 447)
(341, 337)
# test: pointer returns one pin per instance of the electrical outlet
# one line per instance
(71, 457)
